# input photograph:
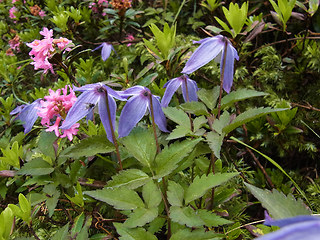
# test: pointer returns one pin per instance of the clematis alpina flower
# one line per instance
(294, 228)
(172, 86)
(105, 51)
(27, 114)
(210, 48)
(136, 107)
(93, 94)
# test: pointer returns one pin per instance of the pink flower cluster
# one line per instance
(43, 50)
(12, 11)
(99, 6)
(55, 108)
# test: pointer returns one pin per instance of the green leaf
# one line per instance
(197, 108)
(209, 96)
(156, 225)
(151, 194)
(141, 144)
(248, 116)
(215, 141)
(220, 123)
(120, 198)
(168, 159)
(89, 147)
(212, 220)
(185, 216)
(175, 194)
(279, 205)
(52, 197)
(200, 185)
(6, 221)
(130, 178)
(141, 216)
(239, 95)
(152, 49)
(133, 234)
(199, 122)
(177, 115)
(148, 79)
(25, 207)
(179, 132)
(197, 234)
(35, 167)
(45, 143)
(78, 223)
(225, 26)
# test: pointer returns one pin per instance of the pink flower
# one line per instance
(42, 14)
(71, 131)
(13, 1)
(130, 37)
(12, 11)
(62, 43)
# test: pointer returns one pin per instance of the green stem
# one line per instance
(112, 131)
(222, 76)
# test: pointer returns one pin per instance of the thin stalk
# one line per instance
(112, 131)
(222, 77)
(153, 123)
(179, 10)
(213, 160)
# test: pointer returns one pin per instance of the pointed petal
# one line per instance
(229, 68)
(100, 46)
(202, 40)
(207, 51)
(81, 108)
(159, 117)
(88, 87)
(103, 112)
(292, 220)
(171, 88)
(106, 51)
(136, 90)
(131, 114)
(115, 94)
(29, 115)
(192, 90)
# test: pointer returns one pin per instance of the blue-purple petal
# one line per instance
(228, 71)
(171, 88)
(132, 113)
(81, 108)
(192, 90)
(292, 220)
(106, 51)
(207, 51)
(103, 112)
(28, 115)
(159, 117)
(135, 90)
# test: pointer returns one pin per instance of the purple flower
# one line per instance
(106, 50)
(27, 113)
(136, 107)
(93, 94)
(209, 49)
(186, 83)
(294, 228)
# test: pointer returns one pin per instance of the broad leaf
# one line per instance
(45, 144)
(197, 234)
(169, 158)
(151, 194)
(177, 115)
(89, 147)
(197, 108)
(279, 205)
(175, 194)
(130, 178)
(52, 197)
(35, 167)
(141, 145)
(220, 123)
(209, 97)
(141, 216)
(212, 220)
(119, 198)
(239, 95)
(215, 141)
(248, 116)
(179, 132)
(185, 216)
(200, 185)
(133, 234)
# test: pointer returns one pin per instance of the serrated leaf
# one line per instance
(215, 141)
(220, 123)
(130, 178)
(151, 194)
(279, 205)
(199, 122)
(200, 185)
(197, 108)
(36, 167)
(52, 197)
(248, 116)
(177, 115)
(209, 96)
(168, 159)
(45, 143)
(133, 234)
(212, 220)
(156, 225)
(185, 216)
(197, 234)
(120, 198)
(141, 145)
(175, 194)
(239, 95)
(89, 147)
(141, 216)
(179, 132)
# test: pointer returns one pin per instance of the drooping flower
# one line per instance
(210, 48)
(27, 113)
(172, 86)
(93, 94)
(294, 228)
(136, 108)
(105, 51)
